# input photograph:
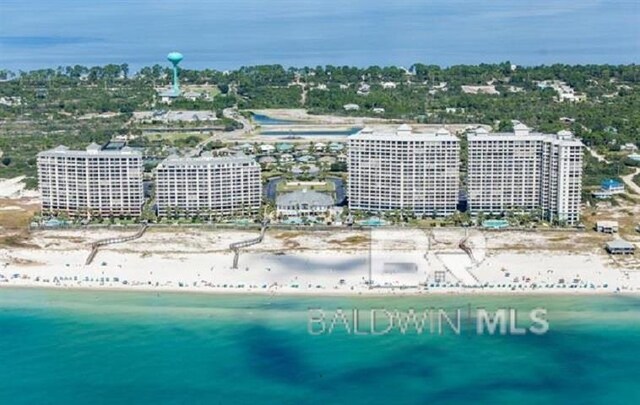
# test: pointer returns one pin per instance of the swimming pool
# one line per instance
(495, 223)
(373, 221)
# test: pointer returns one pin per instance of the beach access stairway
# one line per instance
(236, 246)
(465, 248)
(109, 241)
(457, 269)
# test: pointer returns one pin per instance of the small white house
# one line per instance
(327, 160)
(267, 161)
(364, 89)
(246, 147)
(389, 85)
(607, 226)
(267, 148)
(286, 158)
(10, 101)
(336, 147)
(620, 247)
(306, 159)
(192, 95)
(608, 188)
(351, 107)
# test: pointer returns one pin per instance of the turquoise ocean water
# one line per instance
(84, 347)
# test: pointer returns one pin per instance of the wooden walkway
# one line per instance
(236, 246)
(109, 241)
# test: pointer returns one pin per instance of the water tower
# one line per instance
(175, 58)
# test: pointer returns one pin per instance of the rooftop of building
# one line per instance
(267, 159)
(610, 183)
(92, 149)
(308, 197)
(206, 160)
(522, 132)
(404, 133)
(620, 244)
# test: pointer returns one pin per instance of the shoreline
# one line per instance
(289, 292)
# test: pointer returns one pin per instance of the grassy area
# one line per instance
(211, 90)
(558, 238)
(428, 223)
(628, 221)
(353, 240)
(14, 222)
(20, 143)
(177, 139)
(288, 235)
(172, 137)
(18, 240)
(15, 215)
(267, 174)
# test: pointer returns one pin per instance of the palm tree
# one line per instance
(480, 217)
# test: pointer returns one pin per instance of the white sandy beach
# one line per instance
(321, 262)
(15, 188)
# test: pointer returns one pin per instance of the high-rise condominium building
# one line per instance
(208, 186)
(91, 182)
(525, 171)
(402, 170)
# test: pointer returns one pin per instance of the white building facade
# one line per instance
(403, 170)
(208, 186)
(93, 182)
(525, 172)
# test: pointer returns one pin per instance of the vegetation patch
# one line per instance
(288, 235)
(18, 240)
(351, 240)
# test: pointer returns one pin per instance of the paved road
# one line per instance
(247, 127)
(598, 157)
(628, 180)
(232, 113)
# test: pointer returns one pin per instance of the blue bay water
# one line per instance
(223, 34)
(78, 347)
